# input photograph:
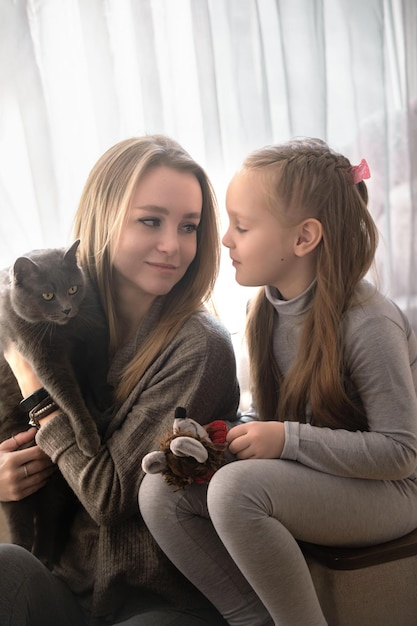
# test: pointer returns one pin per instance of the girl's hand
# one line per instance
(22, 369)
(257, 440)
(22, 472)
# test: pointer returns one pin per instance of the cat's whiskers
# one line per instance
(43, 330)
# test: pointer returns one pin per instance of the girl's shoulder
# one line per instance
(372, 309)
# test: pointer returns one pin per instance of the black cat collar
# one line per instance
(35, 398)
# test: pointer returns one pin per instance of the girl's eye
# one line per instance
(152, 222)
(72, 290)
(241, 230)
(48, 296)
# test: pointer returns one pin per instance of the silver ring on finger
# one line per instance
(26, 470)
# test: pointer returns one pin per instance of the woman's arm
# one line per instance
(23, 470)
(196, 371)
(26, 377)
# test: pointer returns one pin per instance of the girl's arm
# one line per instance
(382, 360)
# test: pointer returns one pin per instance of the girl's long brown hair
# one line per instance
(99, 220)
(309, 180)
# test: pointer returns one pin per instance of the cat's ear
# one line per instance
(23, 268)
(71, 253)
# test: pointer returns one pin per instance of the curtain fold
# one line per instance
(410, 21)
(222, 77)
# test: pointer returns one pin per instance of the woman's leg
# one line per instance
(30, 595)
(260, 507)
(172, 617)
(179, 522)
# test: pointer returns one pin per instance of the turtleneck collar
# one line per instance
(298, 305)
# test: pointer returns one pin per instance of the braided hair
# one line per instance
(311, 180)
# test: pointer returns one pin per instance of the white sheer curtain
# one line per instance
(220, 76)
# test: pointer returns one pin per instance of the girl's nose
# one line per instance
(226, 239)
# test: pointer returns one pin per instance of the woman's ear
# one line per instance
(310, 233)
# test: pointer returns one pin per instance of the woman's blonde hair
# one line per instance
(305, 178)
(99, 220)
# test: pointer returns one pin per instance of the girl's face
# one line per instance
(260, 246)
(159, 239)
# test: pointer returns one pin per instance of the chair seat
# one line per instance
(370, 586)
(357, 558)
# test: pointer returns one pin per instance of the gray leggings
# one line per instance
(236, 541)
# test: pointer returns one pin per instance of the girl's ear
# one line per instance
(310, 233)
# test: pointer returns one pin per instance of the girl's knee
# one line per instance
(231, 488)
(244, 489)
(161, 503)
(234, 475)
(154, 497)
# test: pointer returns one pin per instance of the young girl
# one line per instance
(332, 459)
(149, 242)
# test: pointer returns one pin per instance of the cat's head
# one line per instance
(47, 285)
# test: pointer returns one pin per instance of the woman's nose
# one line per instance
(168, 241)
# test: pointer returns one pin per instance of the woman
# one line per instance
(149, 242)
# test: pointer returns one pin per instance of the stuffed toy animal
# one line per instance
(190, 453)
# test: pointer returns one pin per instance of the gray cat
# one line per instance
(56, 320)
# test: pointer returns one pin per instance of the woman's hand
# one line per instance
(22, 369)
(22, 472)
(257, 440)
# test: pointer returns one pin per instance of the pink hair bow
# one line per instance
(360, 172)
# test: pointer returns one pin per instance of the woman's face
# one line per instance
(260, 245)
(159, 239)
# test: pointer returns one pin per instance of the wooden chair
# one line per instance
(375, 586)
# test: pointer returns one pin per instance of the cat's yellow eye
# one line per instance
(48, 296)
(72, 290)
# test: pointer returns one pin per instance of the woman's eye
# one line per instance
(72, 290)
(240, 229)
(48, 296)
(190, 228)
(152, 222)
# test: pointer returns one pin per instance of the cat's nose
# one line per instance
(66, 311)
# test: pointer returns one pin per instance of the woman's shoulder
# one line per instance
(203, 344)
(205, 325)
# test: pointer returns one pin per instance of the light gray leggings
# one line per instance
(258, 508)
